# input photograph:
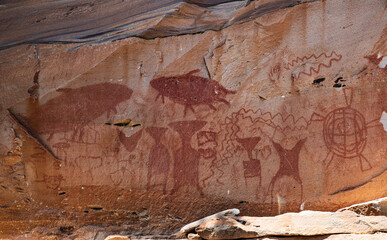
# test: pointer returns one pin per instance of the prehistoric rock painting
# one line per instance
(122, 169)
(61, 150)
(87, 164)
(243, 133)
(74, 108)
(39, 158)
(288, 165)
(186, 159)
(52, 182)
(159, 157)
(263, 153)
(89, 134)
(275, 72)
(264, 123)
(311, 64)
(208, 150)
(205, 137)
(252, 167)
(38, 154)
(190, 90)
(232, 128)
(345, 132)
(248, 129)
(130, 143)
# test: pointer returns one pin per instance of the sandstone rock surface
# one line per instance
(96, 21)
(376, 236)
(190, 227)
(265, 106)
(193, 236)
(117, 237)
(371, 208)
(306, 223)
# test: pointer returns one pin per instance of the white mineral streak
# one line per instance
(383, 63)
(383, 120)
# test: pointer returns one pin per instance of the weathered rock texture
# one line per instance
(306, 223)
(97, 21)
(371, 208)
(270, 106)
(191, 227)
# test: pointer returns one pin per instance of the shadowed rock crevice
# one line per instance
(84, 22)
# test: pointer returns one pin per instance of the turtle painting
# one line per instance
(345, 132)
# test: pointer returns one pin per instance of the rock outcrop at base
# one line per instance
(191, 227)
(305, 223)
(371, 208)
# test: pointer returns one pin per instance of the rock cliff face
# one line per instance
(157, 113)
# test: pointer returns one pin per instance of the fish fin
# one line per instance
(108, 123)
(63, 89)
(212, 106)
(186, 108)
(223, 89)
(157, 97)
(224, 100)
(192, 72)
(227, 91)
(136, 125)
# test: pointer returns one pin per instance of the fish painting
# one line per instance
(73, 109)
(189, 90)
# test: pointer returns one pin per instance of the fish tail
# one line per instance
(225, 90)
(228, 91)
(63, 89)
